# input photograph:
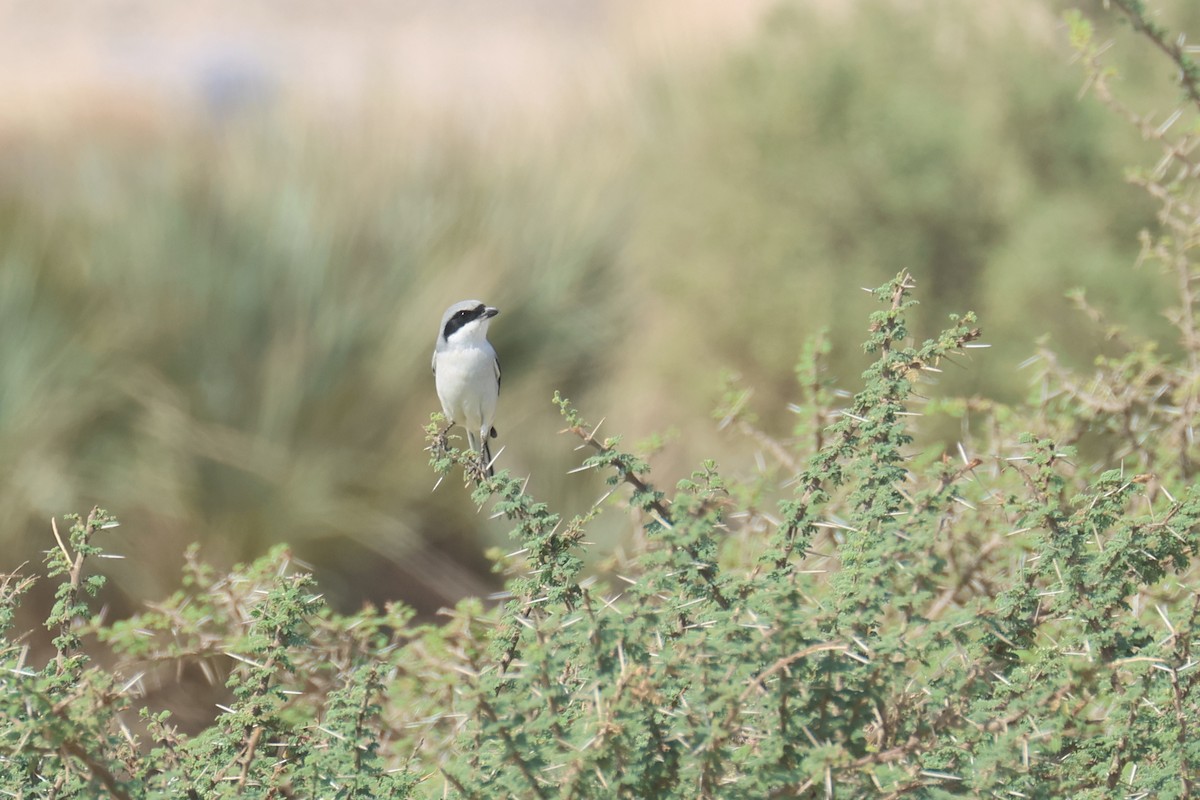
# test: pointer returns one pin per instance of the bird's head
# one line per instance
(466, 321)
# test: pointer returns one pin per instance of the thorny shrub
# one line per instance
(861, 616)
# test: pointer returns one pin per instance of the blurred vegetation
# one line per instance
(951, 141)
(220, 328)
(944, 625)
(866, 609)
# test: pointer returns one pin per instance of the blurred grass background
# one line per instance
(226, 240)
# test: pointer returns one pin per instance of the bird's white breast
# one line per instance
(466, 385)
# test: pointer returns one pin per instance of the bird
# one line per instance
(466, 373)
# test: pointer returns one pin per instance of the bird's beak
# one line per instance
(490, 312)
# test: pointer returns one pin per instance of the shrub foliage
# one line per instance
(1008, 615)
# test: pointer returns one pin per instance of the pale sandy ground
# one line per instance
(61, 60)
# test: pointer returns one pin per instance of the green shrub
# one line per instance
(1009, 616)
(1000, 623)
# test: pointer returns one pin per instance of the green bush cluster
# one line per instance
(1012, 615)
(992, 622)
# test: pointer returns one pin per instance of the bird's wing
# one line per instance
(433, 364)
(496, 362)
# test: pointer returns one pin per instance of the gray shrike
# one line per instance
(467, 373)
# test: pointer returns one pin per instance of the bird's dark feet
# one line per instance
(478, 468)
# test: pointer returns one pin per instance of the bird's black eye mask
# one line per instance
(461, 318)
